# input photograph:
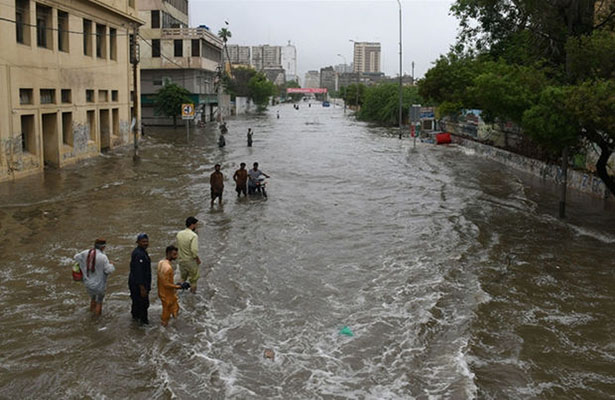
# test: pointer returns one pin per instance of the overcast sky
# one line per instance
(321, 29)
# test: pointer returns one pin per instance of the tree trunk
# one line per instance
(601, 169)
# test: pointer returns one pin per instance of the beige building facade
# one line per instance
(366, 57)
(65, 81)
(173, 52)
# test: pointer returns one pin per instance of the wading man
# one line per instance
(216, 180)
(188, 250)
(140, 279)
(167, 290)
(241, 179)
(95, 267)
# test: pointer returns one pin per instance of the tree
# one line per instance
(237, 85)
(382, 103)
(260, 90)
(225, 35)
(546, 65)
(351, 96)
(169, 100)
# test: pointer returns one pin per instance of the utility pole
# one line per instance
(563, 183)
(413, 72)
(134, 59)
(400, 71)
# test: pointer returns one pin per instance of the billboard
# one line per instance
(306, 90)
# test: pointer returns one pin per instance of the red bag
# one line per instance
(77, 274)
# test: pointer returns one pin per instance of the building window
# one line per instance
(157, 83)
(62, 31)
(131, 3)
(22, 18)
(101, 41)
(103, 96)
(89, 96)
(196, 47)
(66, 96)
(48, 96)
(87, 37)
(132, 96)
(43, 26)
(178, 46)
(155, 18)
(113, 43)
(114, 95)
(91, 124)
(155, 47)
(28, 136)
(67, 128)
(25, 96)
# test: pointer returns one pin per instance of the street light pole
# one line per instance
(400, 71)
(356, 68)
(345, 63)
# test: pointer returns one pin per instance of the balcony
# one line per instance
(192, 33)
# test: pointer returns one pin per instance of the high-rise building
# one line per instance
(366, 57)
(343, 68)
(173, 52)
(266, 56)
(239, 55)
(289, 62)
(312, 79)
(66, 91)
(328, 79)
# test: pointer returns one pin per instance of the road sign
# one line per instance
(415, 113)
(188, 111)
(427, 113)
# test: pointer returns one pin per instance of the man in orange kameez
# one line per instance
(166, 287)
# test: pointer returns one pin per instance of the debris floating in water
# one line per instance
(346, 331)
(269, 354)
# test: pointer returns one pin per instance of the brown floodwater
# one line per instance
(452, 272)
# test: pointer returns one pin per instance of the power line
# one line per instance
(63, 30)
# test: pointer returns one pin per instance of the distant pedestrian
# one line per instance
(250, 137)
(188, 248)
(221, 141)
(167, 289)
(277, 114)
(95, 267)
(140, 279)
(216, 180)
(241, 179)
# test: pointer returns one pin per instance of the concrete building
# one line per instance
(173, 52)
(67, 81)
(328, 79)
(266, 56)
(239, 55)
(275, 75)
(289, 62)
(343, 68)
(366, 57)
(312, 79)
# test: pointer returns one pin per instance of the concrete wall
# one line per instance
(577, 180)
(28, 67)
(242, 105)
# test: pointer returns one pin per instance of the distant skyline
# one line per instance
(322, 29)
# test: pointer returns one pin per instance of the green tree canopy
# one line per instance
(169, 100)
(546, 65)
(382, 103)
(260, 90)
(237, 85)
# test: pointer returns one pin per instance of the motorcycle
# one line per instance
(258, 186)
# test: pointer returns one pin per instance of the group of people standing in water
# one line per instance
(95, 268)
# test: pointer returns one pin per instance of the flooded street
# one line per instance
(452, 272)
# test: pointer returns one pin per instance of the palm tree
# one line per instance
(225, 35)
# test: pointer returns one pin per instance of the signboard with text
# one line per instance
(306, 90)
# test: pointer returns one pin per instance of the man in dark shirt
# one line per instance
(140, 279)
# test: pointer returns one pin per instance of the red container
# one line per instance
(443, 138)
